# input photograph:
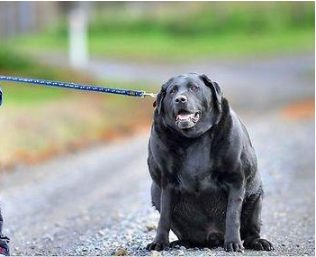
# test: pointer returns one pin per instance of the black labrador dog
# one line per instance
(206, 185)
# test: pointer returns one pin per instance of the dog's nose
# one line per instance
(181, 99)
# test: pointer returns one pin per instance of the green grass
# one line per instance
(206, 29)
(15, 64)
(22, 95)
(184, 48)
(159, 47)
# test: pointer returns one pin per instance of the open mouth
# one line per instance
(186, 119)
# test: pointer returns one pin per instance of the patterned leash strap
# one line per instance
(75, 86)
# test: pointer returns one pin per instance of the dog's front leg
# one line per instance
(161, 240)
(234, 207)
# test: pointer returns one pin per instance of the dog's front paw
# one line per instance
(259, 244)
(158, 246)
(233, 246)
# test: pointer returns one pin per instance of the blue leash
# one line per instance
(42, 82)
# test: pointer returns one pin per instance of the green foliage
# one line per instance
(11, 60)
(211, 19)
(226, 29)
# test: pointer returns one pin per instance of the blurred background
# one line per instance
(63, 152)
(130, 45)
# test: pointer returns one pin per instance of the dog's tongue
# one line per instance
(184, 116)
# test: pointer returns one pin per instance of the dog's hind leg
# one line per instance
(250, 229)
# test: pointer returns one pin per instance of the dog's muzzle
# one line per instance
(186, 119)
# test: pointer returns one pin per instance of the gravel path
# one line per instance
(96, 202)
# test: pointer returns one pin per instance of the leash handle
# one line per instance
(75, 86)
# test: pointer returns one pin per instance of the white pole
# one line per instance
(78, 37)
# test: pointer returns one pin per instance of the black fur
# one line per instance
(206, 185)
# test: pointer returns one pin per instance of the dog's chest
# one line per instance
(195, 173)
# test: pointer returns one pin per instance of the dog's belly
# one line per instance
(200, 218)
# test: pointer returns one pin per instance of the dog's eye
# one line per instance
(194, 88)
(173, 91)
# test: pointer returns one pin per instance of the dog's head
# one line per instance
(190, 104)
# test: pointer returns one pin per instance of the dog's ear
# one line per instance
(161, 95)
(159, 99)
(0, 96)
(215, 88)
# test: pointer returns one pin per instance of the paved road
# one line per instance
(97, 201)
(270, 81)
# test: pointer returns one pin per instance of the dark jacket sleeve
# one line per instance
(0, 95)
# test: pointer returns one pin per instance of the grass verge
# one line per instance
(165, 47)
(39, 123)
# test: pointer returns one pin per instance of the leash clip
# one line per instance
(153, 95)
